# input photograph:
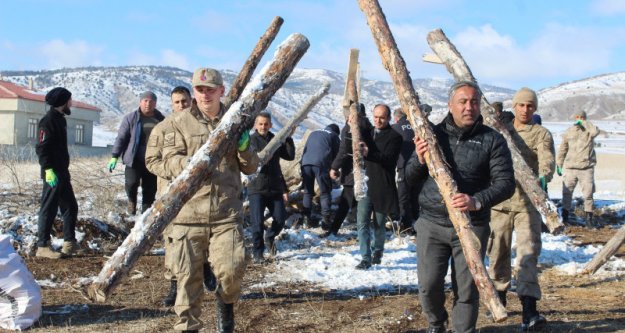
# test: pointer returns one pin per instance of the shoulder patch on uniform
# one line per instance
(153, 141)
(43, 135)
(169, 139)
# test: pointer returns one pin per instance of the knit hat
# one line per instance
(207, 77)
(148, 94)
(58, 97)
(525, 95)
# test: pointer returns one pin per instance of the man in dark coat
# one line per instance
(319, 152)
(266, 189)
(481, 165)
(130, 144)
(57, 188)
(381, 199)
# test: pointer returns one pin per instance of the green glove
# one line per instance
(578, 122)
(51, 178)
(112, 164)
(244, 141)
(543, 182)
(559, 170)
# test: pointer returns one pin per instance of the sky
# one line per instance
(512, 43)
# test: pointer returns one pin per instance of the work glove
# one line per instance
(112, 164)
(244, 141)
(559, 170)
(51, 178)
(543, 183)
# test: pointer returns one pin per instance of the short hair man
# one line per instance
(519, 215)
(208, 228)
(130, 145)
(266, 189)
(481, 165)
(57, 190)
(319, 151)
(381, 199)
(576, 161)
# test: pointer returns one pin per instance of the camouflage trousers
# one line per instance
(586, 180)
(191, 246)
(527, 226)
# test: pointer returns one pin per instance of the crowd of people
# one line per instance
(204, 244)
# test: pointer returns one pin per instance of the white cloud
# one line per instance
(71, 54)
(608, 7)
(165, 57)
(174, 59)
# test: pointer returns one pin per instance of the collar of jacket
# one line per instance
(56, 112)
(461, 133)
(195, 111)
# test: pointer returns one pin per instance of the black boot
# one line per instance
(225, 316)
(377, 258)
(210, 281)
(565, 216)
(132, 208)
(590, 221)
(502, 297)
(170, 299)
(532, 320)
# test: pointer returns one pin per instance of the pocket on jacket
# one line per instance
(180, 247)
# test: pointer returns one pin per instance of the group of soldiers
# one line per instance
(205, 244)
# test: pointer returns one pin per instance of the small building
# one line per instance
(20, 112)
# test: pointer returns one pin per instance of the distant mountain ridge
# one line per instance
(116, 91)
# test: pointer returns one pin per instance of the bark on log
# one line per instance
(524, 175)
(360, 175)
(292, 170)
(409, 100)
(237, 119)
(252, 61)
(265, 155)
(352, 74)
(608, 250)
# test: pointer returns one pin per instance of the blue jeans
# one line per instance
(367, 226)
(258, 203)
(310, 173)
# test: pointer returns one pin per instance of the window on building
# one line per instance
(80, 133)
(32, 128)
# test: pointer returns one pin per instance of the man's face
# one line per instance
(465, 106)
(147, 105)
(180, 101)
(208, 99)
(381, 117)
(524, 111)
(262, 125)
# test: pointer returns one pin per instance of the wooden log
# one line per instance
(523, 174)
(252, 61)
(352, 74)
(360, 174)
(237, 119)
(409, 100)
(291, 170)
(265, 155)
(608, 250)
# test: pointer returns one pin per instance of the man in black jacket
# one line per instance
(381, 199)
(266, 190)
(319, 152)
(57, 188)
(480, 163)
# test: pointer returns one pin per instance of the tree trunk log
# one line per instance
(237, 119)
(292, 170)
(250, 65)
(352, 74)
(409, 100)
(265, 155)
(360, 174)
(523, 174)
(606, 252)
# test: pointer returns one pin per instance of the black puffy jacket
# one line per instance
(480, 163)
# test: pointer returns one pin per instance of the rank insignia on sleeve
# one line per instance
(42, 135)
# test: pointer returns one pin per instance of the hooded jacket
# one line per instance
(321, 148)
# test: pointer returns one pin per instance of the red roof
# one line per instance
(12, 90)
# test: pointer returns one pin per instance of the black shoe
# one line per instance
(377, 258)
(258, 258)
(590, 220)
(565, 216)
(210, 280)
(225, 316)
(271, 246)
(170, 299)
(435, 329)
(363, 265)
(326, 223)
(532, 320)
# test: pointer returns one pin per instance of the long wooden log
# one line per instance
(352, 74)
(265, 155)
(608, 250)
(524, 175)
(237, 119)
(252, 61)
(409, 100)
(360, 175)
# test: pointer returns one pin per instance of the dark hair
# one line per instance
(181, 90)
(460, 84)
(265, 115)
(388, 109)
(399, 112)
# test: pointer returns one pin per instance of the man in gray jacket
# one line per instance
(130, 145)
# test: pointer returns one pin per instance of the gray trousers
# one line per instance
(437, 244)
